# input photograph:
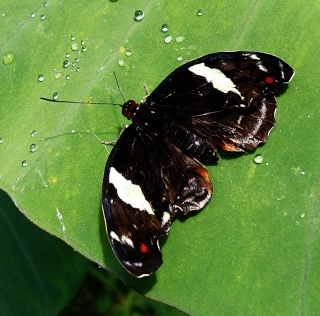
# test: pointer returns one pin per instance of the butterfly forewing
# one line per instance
(226, 98)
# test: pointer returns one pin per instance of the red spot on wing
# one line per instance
(143, 248)
(269, 80)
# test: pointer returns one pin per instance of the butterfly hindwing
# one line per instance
(147, 180)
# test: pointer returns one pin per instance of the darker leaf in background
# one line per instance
(38, 272)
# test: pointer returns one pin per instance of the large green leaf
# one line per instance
(252, 250)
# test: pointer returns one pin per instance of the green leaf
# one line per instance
(253, 249)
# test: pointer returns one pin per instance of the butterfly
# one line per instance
(155, 169)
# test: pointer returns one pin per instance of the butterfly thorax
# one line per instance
(150, 117)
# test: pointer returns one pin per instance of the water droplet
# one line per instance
(1, 140)
(8, 58)
(32, 14)
(73, 37)
(180, 39)
(138, 15)
(55, 96)
(42, 139)
(40, 78)
(42, 17)
(164, 28)
(67, 55)
(74, 46)
(77, 60)
(168, 39)
(258, 159)
(67, 77)
(84, 48)
(33, 147)
(58, 75)
(73, 63)
(24, 163)
(302, 215)
(199, 13)
(179, 58)
(66, 63)
(78, 69)
(33, 133)
(128, 53)
(83, 42)
(121, 63)
(302, 172)
(45, 4)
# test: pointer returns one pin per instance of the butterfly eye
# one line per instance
(269, 80)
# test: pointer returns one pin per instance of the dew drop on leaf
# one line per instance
(40, 78)
(138, 15)
(164, 28)
(33, 133)
(33, 147)
(66, 63)
(168, 39)
(258, 159)
(74, 46)
(58, 74)
(180, 39)
(24, 163)
(8, 58)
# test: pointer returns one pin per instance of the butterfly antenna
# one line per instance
(79, 102)
(115, 76)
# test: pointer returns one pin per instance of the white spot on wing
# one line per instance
(113, 235)
(262, 68)
(216, 77)
(128, 192)
(165, 218)
(254, 56)
(127, 241)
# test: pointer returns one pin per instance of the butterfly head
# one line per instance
(129, 109)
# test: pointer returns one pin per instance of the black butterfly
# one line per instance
(222, 100)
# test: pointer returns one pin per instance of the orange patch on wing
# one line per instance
(205, 180)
